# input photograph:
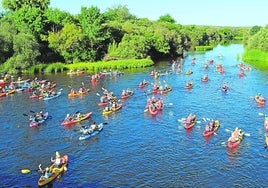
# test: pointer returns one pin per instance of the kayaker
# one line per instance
(124, 93)
(46, 173)
(94, 126)
(57, 160)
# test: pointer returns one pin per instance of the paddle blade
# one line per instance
(25, 114)
(25, 171)
(32, 111)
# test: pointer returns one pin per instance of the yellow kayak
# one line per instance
(55, 172)
(111, 110)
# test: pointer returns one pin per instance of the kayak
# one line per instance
(94, 133)
(111, 110)
(55, 172)
(189, 85)
(266, 141)
(75, 94)
(265, 124)
(257, 99)
(128, 94)
(36, 123)
(143, 85)
(233, 145)
(74, 121)
(52, 96)
(75, 72)
(190, 125)
(102, 103)
(209, 133)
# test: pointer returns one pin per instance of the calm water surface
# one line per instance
(135, 149)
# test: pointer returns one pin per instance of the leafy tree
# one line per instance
(255, 29)
(14, 5)
(67, 42)
(166, 18)
(26, 51)
(92, 23)
(259, 41)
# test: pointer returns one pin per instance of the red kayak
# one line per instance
(234, 144)
(190, 122)
(102, 103)
(210, 133)
(72, 121)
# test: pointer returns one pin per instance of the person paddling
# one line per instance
(57, 160)
(45, 173)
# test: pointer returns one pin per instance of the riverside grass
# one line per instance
(91, 67)
(203, 48)
(257, 58)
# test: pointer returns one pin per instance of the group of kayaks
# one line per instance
(212, 127)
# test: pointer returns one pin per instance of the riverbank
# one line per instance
(256, 58)
(90, 67)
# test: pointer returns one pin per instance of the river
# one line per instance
(138, 150)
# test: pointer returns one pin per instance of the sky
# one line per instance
(186, 12)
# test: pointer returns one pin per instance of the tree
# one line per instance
(26, 50)
(14, 5)
(166, 18)
(254, 30)
(68, 42)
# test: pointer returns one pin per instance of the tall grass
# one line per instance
(257, 58)
(203, 48)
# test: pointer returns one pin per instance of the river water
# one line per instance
(138, 150)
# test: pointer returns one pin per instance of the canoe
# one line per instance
(257, 99)
(94, 133)
(55, 172)
(78, 93)
(52, 96)
(190, 125)
(233, 145)
(36, 123)
(209, 133)
(74, 121)
(107, 112)
(265, 124)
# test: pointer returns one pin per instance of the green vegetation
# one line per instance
(257, 48)
(91, 67)
(34, 36)
(203, 48)
(257, 58)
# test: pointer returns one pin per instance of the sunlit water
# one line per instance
(135, 149)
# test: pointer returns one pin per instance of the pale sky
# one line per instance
(186, 12)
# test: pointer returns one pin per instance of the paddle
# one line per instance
(25, 114)
(26, 170)
(32, 111)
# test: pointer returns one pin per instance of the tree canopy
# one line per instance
(31, 32)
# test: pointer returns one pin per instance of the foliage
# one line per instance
(166, 18)
(259, 41)
(14, 5)
(257, 58)
(203, 48)
(255, 29)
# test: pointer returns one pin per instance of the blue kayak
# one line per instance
(88, 133)
(52, 96)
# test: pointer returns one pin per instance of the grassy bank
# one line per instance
(203, 48)
(91, 67)
(256, 58)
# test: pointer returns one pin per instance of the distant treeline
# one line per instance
(32, 33)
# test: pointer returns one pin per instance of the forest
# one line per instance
(33, 34)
